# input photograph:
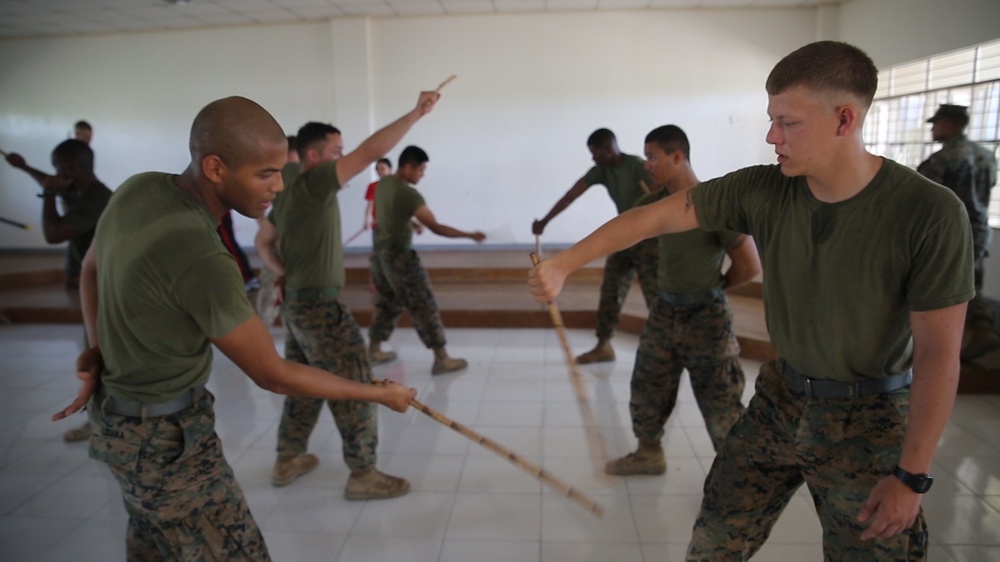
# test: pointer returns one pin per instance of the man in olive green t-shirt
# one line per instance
(320, 330)
(401, 283)
(867, 272)
(690, 325)
(158, 290)
(623, 176)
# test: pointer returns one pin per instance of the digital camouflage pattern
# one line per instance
(321, 332)
(699, 338)
(620, 270)
(970, 170)
(401, 283)
(840, 448)
(180, 493)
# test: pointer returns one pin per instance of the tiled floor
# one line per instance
(467, 504)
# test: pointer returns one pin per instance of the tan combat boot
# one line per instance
(287, 469)
(444, 364)
(81, 433)
(377, 356)
(370, 484)
(601, 353)
(649, 459)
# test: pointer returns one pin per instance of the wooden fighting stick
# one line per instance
(595, 439)
(645, 188)
(15, 223)
(353, 236)
(538, 246)
(524, 464)
(445, 83)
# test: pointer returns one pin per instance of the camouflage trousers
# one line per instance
(840, 448)
(321, 332)
(401, 283)
(181, 496)
(980, 313)
(620, 270)
(697, 337)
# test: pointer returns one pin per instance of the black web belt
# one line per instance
(818, 388)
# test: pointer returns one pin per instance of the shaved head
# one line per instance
(235, 129)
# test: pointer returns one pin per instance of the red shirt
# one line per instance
(370, 196)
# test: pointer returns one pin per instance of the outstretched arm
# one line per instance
(426, 218)
(576, 191)
(384, 139)
(251, 347)
(745, 263)
(671, 214)
(45, 180)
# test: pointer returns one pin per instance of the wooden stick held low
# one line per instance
(538, 246)
(2, 153)
(538, 472)
(354, 236)
(595, 439)
(645, 188)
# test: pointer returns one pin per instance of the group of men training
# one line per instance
(869, 268)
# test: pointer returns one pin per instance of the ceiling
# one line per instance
(33, 18)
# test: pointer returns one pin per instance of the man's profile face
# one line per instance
(83, 134)
(803, 124)
(602, 155)
(250, 188)
(332, 149)
(413, 174)
(659, 165)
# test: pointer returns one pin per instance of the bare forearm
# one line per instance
(449, 232)
(932, 396)
(269, 255)
(296, 379)
(39, 176)
(665, 216)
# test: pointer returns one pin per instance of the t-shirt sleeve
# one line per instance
(85, 212)
(594, 175)
(735, 200)
(323, 183)
(415, 200)
(727, 237)
(941, 274)
(370, 192)
(213, 293)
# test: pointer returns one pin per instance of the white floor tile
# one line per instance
(466, 503)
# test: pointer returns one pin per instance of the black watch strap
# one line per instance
(919, 483)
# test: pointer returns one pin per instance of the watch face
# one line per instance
(922, 484)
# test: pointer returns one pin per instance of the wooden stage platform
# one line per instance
(474, 289)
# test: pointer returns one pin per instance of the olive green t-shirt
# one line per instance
(689, 261)
(840, 279)
(289, 172)
(82, 210)
(395, 203)
(621, 181)
(166, 284)
(307, 216)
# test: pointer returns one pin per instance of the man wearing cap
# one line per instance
(970, 171)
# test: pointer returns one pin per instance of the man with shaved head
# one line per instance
(320, 331)
(158, 289)
(867, 272)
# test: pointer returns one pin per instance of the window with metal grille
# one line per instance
(909, 94)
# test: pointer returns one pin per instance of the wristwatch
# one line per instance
(919, 483)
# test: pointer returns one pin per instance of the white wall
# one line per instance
(897, 31)
(506, 141)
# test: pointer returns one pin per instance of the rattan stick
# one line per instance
(524, 464)
(645, 188)
(445, 83)
(595, 439)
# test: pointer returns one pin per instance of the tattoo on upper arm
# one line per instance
(690, 201)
